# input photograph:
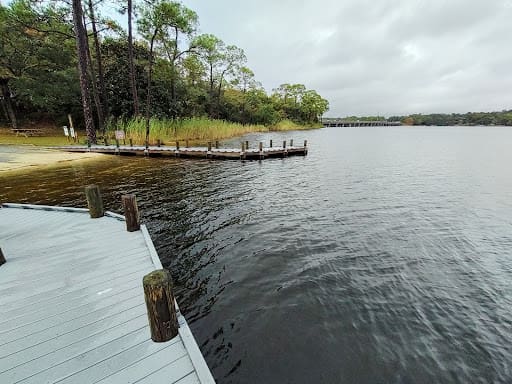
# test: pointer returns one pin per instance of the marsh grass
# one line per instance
(193, 129)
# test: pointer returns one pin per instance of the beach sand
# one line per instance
(15, 159)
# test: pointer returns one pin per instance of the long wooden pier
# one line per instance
(210, 152)
(73, 305)
(358, 123)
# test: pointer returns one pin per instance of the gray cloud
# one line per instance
(368, 57)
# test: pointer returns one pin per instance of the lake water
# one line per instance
(383, 256)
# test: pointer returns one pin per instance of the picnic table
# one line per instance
(27, 131)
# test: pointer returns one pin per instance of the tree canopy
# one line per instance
(163, 69)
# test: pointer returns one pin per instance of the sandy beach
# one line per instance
(26, 158)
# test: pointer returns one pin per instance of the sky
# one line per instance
(380, 57)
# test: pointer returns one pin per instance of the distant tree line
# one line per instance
(60, 57)
(470, 118)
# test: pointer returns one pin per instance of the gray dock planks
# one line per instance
(73, 307)
(197, 152)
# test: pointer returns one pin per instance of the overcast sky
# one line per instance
(375, 57)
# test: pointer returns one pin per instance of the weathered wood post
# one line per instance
(186, 143)
(291, 143)
(177, 145)
(71, 126)
(94, 201)
(209, 146)
(2, 257)
(216, 144)
(131, 142)
(131, 212)
(271, 143)
(158, 142)
(246, 145)
(261, 147)
(159, 297)
(284, 144)
(305, 143)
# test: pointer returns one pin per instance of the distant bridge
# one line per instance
(358, 123)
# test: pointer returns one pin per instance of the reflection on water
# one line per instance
(383, 256)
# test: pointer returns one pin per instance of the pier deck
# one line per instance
(198, 152)
(72, 303)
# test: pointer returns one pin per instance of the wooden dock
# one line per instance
(209, 152)
(73, 306)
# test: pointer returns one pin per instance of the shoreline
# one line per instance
(15, 159)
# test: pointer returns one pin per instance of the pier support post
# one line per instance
(246, 145)
(131, 212)
(305, 143)
(261, 150)
(216, 144)
(2, 257)
(242, 151)
(271, 143)
(291, 143)
(159, 297)
(94, 201)
(158, 143)
(186, 143)
(131, 142)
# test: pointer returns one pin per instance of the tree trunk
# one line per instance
(173, 74)
(81, 48)
(133, 82)
(6, 94)
(95, 93)
(150, 73)
(99, 64)
(211, 91)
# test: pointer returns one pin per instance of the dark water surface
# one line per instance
(385, 256)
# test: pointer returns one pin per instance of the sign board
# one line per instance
(66, 131)
(119, 135)
(72, 132)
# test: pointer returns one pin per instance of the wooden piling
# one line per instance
(209, 146)
(284, 144)
(305, 143)
(177, 145)
(131, 142)
(71, 127)
(94, 201)
(246, 145)
(186, 143)
(291, 143)
(158, 142)
(131, 212)
(261, 147)
(270, 143)
(2, 257)
(216, 144)
(159, 297)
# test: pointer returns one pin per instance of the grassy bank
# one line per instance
(197, 130)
